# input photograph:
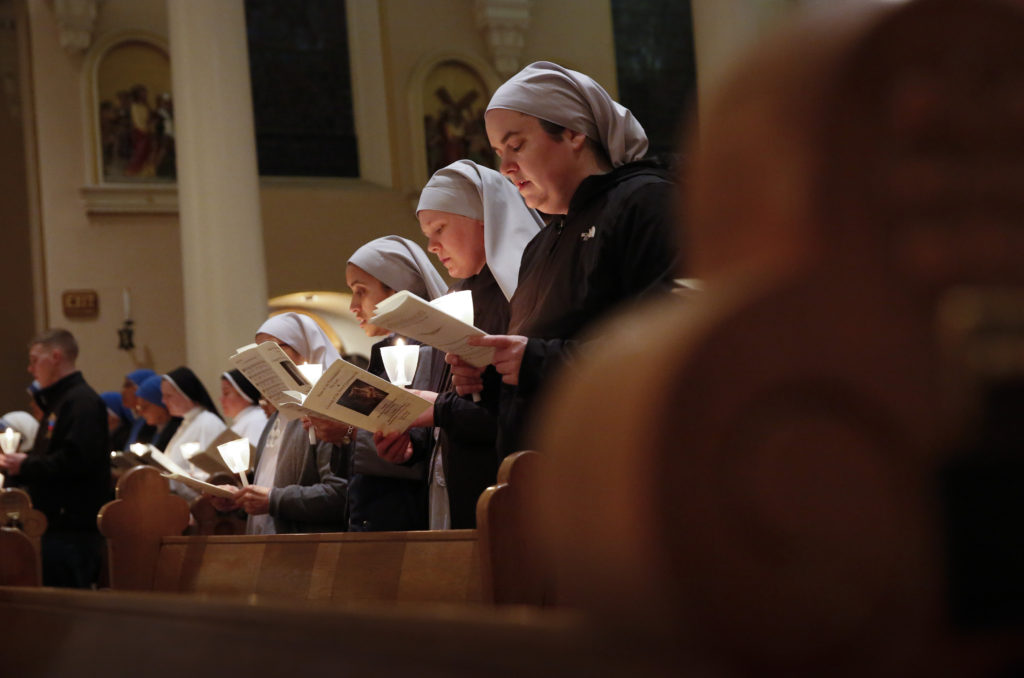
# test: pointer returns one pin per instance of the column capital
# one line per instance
(504, 24)
(75, 20)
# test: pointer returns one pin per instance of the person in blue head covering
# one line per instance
(140, 431)
(119, 419)
(150, 406)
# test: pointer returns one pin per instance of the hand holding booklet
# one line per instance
(441, 323)
(343, 393)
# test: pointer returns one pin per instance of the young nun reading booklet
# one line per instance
(343, 393)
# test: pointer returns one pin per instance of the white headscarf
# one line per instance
(477, 192)
(400, 264)
(25, 424)
(574, 100)
(303, 334)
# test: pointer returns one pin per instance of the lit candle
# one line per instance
(460, 305)
(311, 371)
(400, 362)
(9, 440)
(189, 450)
(236, 456)
(127, 296)
(457, 304)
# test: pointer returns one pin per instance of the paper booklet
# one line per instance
(210, 461)
(171, 471)
(199, 485)
(427, 322)
(344, 392)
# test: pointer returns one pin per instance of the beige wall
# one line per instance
(310, 227)
(102, 253)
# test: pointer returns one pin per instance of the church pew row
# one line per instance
(21, 528)
(53, 632)
(147, 552)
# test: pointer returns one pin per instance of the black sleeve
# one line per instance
(80, 442)
(322, 502)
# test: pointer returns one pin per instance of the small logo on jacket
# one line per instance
(587, 235)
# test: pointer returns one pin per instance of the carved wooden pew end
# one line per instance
(23, 527)
(144, 527)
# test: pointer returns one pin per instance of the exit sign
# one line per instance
(80, 303)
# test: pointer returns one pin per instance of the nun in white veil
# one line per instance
(297, 485)
(477, 225)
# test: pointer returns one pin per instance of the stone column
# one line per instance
(223, 264)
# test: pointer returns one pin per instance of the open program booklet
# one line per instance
(343, 393)
(433, 324)
(173, 471)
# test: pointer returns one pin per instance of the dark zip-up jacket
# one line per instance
(67, 473)
(614, 246)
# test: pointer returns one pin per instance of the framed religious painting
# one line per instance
(454, 99)
(130, 119)
(135, 113)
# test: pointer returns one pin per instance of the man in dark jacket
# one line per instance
(67, 472)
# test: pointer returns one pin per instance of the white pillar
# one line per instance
(223, 265)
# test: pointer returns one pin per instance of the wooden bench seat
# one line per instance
(357, 566)
(147, 552)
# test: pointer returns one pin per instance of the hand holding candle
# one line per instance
(9, 440)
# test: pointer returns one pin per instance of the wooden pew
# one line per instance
(147, 552)
(21, 528)
(508, 516)
(125, 635)
(759, 467)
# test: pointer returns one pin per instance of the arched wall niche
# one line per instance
(458, 75)
(129, 125)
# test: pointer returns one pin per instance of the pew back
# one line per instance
(345, 567)
(144, 528)
(21, 528)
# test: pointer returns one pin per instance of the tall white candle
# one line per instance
(127, 297)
